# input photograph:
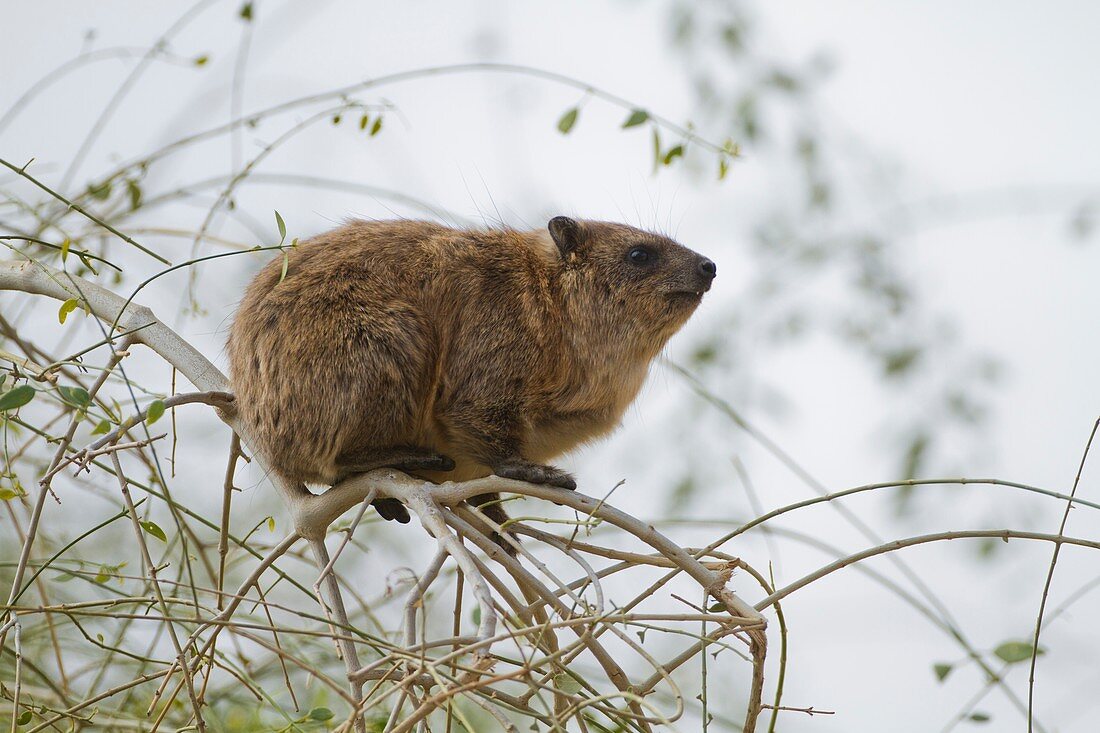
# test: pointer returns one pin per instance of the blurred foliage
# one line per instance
(819, 233)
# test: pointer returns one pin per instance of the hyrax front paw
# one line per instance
(534, 473)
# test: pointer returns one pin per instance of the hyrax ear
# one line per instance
(567, 234)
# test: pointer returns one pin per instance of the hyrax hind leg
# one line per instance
(490, 506)
(403, 458)
(493, 436)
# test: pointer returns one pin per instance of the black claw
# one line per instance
(565, 482)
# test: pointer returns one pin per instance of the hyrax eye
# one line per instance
(639, 255)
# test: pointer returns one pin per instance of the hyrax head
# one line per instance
(640, 279)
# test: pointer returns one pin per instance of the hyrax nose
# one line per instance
(707, 268)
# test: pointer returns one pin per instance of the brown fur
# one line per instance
(410, 344)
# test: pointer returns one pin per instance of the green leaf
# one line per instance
(100, 191)
(915, 456)
(782, 80)
(336, 119)
(246, 11)
(377, 126)
(65, 248)
(8, 494)
(66, 308)
(201, 60)
(717, 608)
(321, 714)
(134, 191)
(565, 124)
(363, 122)
(637, 117)
(75, 396)
(475, 614)
(102, 428)
(155, 411)
(988, 546)
(942, 670)
(282, 227)
(675, 152)
(153, 529)
(15, 398)
(723, 169)
(899, 361)
(980, 717)
(656, 149)
(566, 683)
(1012, 652)
(286, 264)
(271, 524)
(24, 718)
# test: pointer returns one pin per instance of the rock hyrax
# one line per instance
(454, 353)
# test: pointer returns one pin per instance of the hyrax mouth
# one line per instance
(686, 294)
(688, 289)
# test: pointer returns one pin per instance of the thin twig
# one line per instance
(227, 502)
(151, 569)
(77, 208)
(1050, 579)
(1002, 534)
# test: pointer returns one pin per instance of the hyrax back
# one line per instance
(453, 353)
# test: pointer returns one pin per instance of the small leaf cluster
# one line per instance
(1009, 652)
(662, 156)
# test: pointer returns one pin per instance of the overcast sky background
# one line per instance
(986, 114)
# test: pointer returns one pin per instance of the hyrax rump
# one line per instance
(453, 353)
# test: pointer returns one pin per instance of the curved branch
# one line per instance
(34, 277)
(425, 73)
(1004, 534)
